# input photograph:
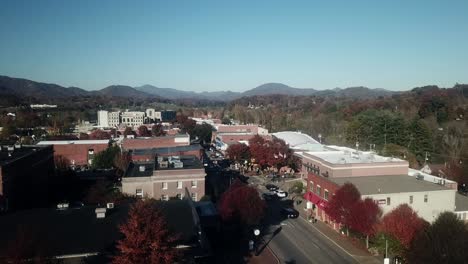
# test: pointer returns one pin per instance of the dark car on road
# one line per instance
(290, 212)
(271, 187)
(269, 196)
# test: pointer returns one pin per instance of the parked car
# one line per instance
(268, 196)
(271, 187)
(281, 193)
(290, 212)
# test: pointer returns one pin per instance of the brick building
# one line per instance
(226, 135)
(150, 154)
(77, 152)
(156, 142)
(386, 180)
(165, 177)
(24, 175)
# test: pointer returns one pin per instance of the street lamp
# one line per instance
(256, 233)
(320, 138)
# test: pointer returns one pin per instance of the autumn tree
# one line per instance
(146, 238)
(143, 131)
(340, 206)
(202, 132)
(403, 223)
(128, 131)
(121, 162)
(186, 124)
(273, 153)
(238, 152)
(99, 134)
(365, 215)
(105, 159)
(241, 203)
(61, 162)
(445, 241)
(157, 130)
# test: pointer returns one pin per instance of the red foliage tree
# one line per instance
(186, 124)
(143, 131)
(403, 224)
(99, 134)
(128, 131)
(340, 206)
(274, 153)
(241, 203)
(364, 217)
(238, 152)
(157, 130)
(146, 237)
(259, 150)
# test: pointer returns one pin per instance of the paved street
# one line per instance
(298, 242)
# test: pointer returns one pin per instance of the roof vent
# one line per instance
(110, 205)
(142, 168)
(100, 212)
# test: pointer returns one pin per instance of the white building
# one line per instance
(114, 119)
(103, 118)
(427, 199)
(133, 118)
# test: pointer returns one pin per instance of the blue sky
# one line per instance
(235, 45)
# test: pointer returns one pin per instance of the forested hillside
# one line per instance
(407, 125)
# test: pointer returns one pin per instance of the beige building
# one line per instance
(133, 118)
(166, 178)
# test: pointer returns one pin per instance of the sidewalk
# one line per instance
(360, 255)
(266, 257)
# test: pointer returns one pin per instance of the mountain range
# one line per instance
(23, 87)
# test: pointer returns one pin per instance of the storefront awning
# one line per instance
(315, 199)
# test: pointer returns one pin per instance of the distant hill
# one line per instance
(23, 87)
(277, 88)
(171, 93)
(20, 88)
(355, 92)
(123, 91)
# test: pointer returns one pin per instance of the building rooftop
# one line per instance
(389, 184)
(10, 153)
(293, 138)
(78, 231)
(461, 203)
(76, 142)
(147, 168)
(350, 156)
(166, 150)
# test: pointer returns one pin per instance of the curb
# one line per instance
(274, 254)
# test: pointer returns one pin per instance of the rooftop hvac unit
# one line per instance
(110, 205)
(160, 159)
(142, 168)
(419, 176)
(178, 165)
(163, 164)
(100, 212)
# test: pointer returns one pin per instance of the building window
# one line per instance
(139, 193)
(325, 194)
(425, 198)
(194, 184)
(194, 196)
(179, 185)
(319, 191)
(464, 216)
(164, 197)
(311, 186)
(411, 199)
(179, 196)
(164, 185)
(388, 200)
